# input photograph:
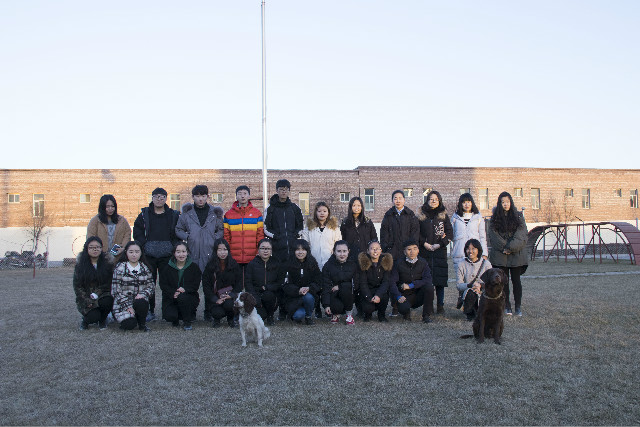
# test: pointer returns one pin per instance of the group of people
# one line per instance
(300, 271)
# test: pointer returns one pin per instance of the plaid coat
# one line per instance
(126, 284)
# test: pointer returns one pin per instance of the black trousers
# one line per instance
(218, 311)
(156, 265)
(515, 273)
(422, 297)
(141, 309)
(368, 307)
(95, 315)
(183, 307)
(266, 304)
(342, 300)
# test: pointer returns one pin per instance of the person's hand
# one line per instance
(119, 251)
(334, 289)
(506, 252)
(476, 288)
(485, 257)
(404, 287)
(264, 288)
(176, 294)
(435, 247)
(220, 301)
(304, 290)
(427, 246)
(180, 289)
(401, 300)
(375, 299)
(327, 310)
(139, 296)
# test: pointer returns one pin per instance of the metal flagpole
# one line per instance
(264, 114)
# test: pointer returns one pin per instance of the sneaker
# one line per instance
(102, 324)
(309, 320)
(334, 319)
(83, 325)
(407, 317)
(144, 328)
(427, 319)
(394, 312)
(507, 311)
(318, 313)
(518, 312)
(367, 317)
(215, 323)
(282, 316)
(460, 303)
(269, 321)
(349, 320)
(383, 319)
(440, 309)
(110, 318)
(231, 323)
(187, 326)
(150, 317)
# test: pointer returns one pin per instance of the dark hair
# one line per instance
(267, 240)
(466, 197)
(283, 183)
(505, 222)
(243, 187)
(309, 260)
(216, 262)
(315, 213)
(102, 209)
(409, 242)
(361, 216)
(372, 242)
(173, 251)
(200, 190)
(143, 259)
(426, 208)
(476, 244)
(396, 192)
(340, 242)
(301, 244)
(159, 190)
(86, 272)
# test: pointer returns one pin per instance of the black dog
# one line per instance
(489, 321)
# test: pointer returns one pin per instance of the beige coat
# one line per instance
(122, 235)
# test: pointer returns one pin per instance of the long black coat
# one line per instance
(358, 237)
(283, 220)
(213, 279)
(396, 229)
(169, 282)
(300, 275)
(433, 226)
(335, 273)
(374, 280)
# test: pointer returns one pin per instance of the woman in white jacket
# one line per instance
(467, 224)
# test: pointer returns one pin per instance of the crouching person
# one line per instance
(468, 277)
(303, 283)
(221, 284)
(180, 281)
(92, 284)
(131, 287)
(412, 278)
(263, 280)
(374, 280)
(338, 275)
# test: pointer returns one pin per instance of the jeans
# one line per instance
(308, 303)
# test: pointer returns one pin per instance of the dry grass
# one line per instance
(571, 360)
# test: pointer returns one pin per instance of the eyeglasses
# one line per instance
(159, 196)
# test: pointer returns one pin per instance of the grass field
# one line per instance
(571, 360)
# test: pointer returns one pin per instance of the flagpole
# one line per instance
(264, 113)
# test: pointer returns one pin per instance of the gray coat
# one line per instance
(200, 239)
(516, 242)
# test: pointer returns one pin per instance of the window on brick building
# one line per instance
(344, 197)
(483, 198)
(633, 198)
(174, 201)
(517, 192)
(85, 198)
(617, 192)
(303, 202)
(465, 190)
(586, 198)
(38, 205)
(369, 199)
(568, 192)
(535, 198)
(408, 192)
(425, 192)
(216, 197)
(14, 198)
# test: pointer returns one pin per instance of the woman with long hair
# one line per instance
(263, 280)
(92, 284)
(435, 233)
(338, 279)
(303, 282)
(357, 229)
(111, 228)
(374, 280)
(221, 283)
(508, 238)
(131, 287)
(467, 224)
(179, 282)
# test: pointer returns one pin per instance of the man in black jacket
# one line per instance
(398, 225)
(412, 278)
(155, 230)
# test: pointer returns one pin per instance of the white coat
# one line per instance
(474, 229)
(321, 242)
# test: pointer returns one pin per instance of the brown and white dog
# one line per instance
(489, 321)
(250, 321)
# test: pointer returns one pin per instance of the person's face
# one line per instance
(93, 249)
(301, 253)
(342, 253)
(398, 201)
(181, 253)
(411, 251)
(159, 200)
(505, 203)
(109, 207)
(222, 251)
(374, 251)
(472, 252)
(467, 205)
(322, 213)
(134, 253)
(433, 201)
(242, 197)
(200, 199)
(264, 251)
(283, 193)
(356, 208)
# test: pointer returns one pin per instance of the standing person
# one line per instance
(179, 282)
(131, 287)
(467, 224)
(338, 277)
(412, 279)
(263, 279)
(221, 284)
(243, 228)
(435, 233)
(303, 284)
(398, 225)
(92, 284)
(283, 221)
(201, 224)
(468, 277)
(357, 229)
(508, 238)
(375, 281)
(110, 227)
(155, 230)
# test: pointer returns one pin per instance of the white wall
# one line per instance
(59, 240)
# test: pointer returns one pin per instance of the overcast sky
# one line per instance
(166, 84)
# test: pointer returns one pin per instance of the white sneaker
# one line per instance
(350, 320)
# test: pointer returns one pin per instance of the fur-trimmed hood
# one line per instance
(364, 261)
(332, 223)
(217, 210)
(442, 215)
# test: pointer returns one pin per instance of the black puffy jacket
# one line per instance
(336, 273)
(283, 220)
